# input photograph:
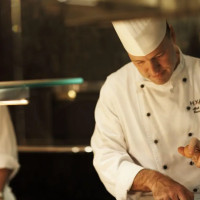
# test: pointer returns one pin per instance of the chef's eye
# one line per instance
(139, 62)
(160, 55)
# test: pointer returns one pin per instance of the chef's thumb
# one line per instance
(181, 151)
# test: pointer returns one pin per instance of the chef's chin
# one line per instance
(161, 79)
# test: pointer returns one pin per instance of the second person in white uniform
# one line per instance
(9, 164)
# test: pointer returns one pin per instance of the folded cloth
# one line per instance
(146, 196)
(149, 196)
(196, 196)
(140, 196)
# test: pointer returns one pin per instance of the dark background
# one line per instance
(58, 176)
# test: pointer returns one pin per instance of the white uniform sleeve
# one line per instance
(115, 167)
(8, 145)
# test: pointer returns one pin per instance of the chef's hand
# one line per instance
(162, 187)
(166, 188)
(192, 151)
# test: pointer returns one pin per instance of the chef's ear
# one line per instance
(172, 33)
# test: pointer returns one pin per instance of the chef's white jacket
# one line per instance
(8, 148)
(140, 125)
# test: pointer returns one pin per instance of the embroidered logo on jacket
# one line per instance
(196, 105)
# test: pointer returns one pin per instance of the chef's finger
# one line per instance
(175, 197)
(181, 150)
(181, 197)
(195, 157)
(186, 196)
(185, 152)
(198, 160)
(167, 198)
(194, 143)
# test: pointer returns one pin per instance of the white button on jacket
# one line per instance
(140, 125)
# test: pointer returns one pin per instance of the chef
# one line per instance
(8, 154)
(145, 140)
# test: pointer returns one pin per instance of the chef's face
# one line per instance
(159, 65)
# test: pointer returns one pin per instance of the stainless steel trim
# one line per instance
(56, 149)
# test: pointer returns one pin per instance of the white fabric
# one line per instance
(8, 194)
(197, 196)
(8, 148)
(123, 140)
(140, 36)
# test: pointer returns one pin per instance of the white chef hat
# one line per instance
(140, 36)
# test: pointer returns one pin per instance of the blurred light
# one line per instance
(71, 94)
(75, 149)
(14, 102)
(61, 1)
(16, 29)
(82, 2)
(88, 149)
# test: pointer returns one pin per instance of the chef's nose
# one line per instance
(154, 67)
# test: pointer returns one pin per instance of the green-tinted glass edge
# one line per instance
(47, 83)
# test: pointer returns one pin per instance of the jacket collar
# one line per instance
(169, 84)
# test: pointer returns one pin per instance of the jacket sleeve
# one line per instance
(112, 162)
(8, 145)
